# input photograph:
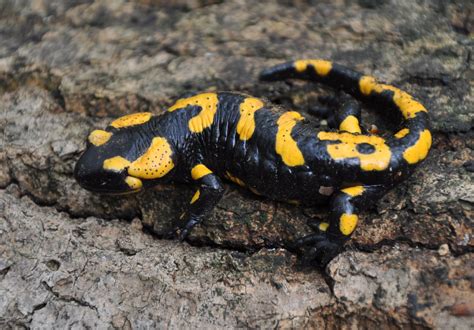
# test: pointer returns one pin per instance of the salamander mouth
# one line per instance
(116, 184)
(107, 182)
(123, 190)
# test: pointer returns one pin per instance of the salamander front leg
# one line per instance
(330, 237)
(209, 193)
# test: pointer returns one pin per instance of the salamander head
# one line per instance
(122, 160)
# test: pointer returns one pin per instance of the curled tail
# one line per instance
(413, 140)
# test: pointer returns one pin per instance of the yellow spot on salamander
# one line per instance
(346, 147)
(133, 183)
(321, 67)
(131, 120)
(354, 191)
(155, 163)
(99, 137)
(234, 179)
(347, 223)
(350, 124)
(208, 103)
(115, 164)
(402, 133)
(199, 171)
(408, 106)
(195, 196)
(368, 84)
(419, 150)
(323, 226)
(285, 145)
(246, 124)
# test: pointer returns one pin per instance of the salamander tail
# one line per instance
(414, 137)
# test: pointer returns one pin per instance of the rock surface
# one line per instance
(69, 258)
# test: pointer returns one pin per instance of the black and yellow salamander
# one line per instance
(275, 153)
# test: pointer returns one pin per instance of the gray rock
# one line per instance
(69, 258)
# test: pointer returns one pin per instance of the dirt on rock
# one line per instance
(69, 258)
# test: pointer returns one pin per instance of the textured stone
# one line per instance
(72, 258)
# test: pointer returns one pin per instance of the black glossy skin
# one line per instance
(255, 163)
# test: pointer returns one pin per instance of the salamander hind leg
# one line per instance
(347, 116)
(329, 237)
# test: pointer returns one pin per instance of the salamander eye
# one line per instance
(99, 137)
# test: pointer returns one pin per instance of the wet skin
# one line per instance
(273, 152)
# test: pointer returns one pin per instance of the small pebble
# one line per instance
(443, 249)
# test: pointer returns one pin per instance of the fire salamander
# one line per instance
(275, 153)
